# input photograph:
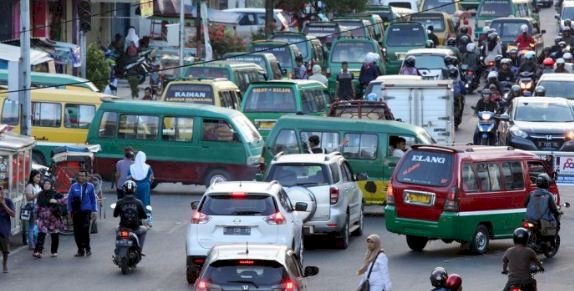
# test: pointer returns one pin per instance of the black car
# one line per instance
(538, 124)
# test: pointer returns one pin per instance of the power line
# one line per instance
(235, 56)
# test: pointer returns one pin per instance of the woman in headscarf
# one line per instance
(142, 174)
(375, 263)
(50, 212)
(131, 37)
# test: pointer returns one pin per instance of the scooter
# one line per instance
(526, 83)
(547, 245)
(128, 252)
(471, 81)
(485, 133)
(534, 269)
(139, 68)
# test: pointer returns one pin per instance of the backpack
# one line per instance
(132, 50)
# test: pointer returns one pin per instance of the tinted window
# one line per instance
(558, 88)
(286, 142)
(535, 169)
(489, 177)
(513, 177)
(232, 273)
(208, 73)
(46, 114)
(79, 116)
(299, 174)
(191, 93)
(406, 35)
(238, 204)
(360, 146)
(495, 8)
(177, 129)
(335, 172)
(312, 101)
(436, 21)
(469, 183)
(217, 130)
(422, 167)
(301, 43)
(325, 33)
(138, 127)
(282, 53)
(567, 13)
(401, 5)
(329, 141)
(352, 52)
(10, 112)
(270, 99)
(430, 61)
(108, 125)
(440, 5)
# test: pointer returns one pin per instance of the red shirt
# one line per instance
(524, 41)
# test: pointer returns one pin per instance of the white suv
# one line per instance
(242, 212)
(337, 206)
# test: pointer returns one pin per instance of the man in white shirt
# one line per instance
(399, 146)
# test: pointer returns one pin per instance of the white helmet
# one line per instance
(492, 74)
(470, 47)
(524, 28)
(567, 56)
(560, 61)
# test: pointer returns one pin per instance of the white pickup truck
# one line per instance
(426, 103)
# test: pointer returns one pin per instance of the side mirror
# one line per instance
(543, 31)
(300, 206)
(113, 206)
(284, 71)
(194, 205)
(503, 117)
(361, 177)
(567, 204)
(311, 271)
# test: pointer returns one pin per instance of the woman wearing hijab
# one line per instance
(132, 37)
(375, 263)
(142, 174)
(50, 213)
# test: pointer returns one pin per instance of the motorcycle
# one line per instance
(485, 133)
(128, 252)
(526, 83)
(139, 68)
(471, 81)
(534, 269)
(547, 245)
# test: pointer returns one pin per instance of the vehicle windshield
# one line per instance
(270, 99)
(299, 174)
(567, 13)
(325, 33)
(239, 203)
(352, 52)
(259, 60)
(558, 88)
(495, 8)
(234, 274)
(282, 53)
(401, 5)
(406, 36)
(440, 5)
(432, 62)
(300, 42)
(543, 112)
(425, 168)
(436, 21)
(190, 93)
(509, 29)
(247, 128)
(356, 28)
(207, 72)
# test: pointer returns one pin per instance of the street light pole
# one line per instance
(181, 36)
(25, 68)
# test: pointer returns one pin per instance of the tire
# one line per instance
(124, 265)
(416, 243)
(215, 176)
(191, 274)
(359, 231)
(342, 239)
(38, 158)
(552, 252)
(480, 240)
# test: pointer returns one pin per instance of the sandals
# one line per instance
(37, 255)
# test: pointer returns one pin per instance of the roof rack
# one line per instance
(435, 147)
(488, 148)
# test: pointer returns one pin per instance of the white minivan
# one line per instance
(408, 4)
(247, 21)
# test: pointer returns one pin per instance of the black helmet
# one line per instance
(451, 41)
(129, 187)
(492, 36)
(451, 60)
(515, 89)
(453, 72)
(543, 181)
(539, 91)
(438, 277)
(567, 22)
(520, 236)
(464, 39)
(464, 29)
(410, 61)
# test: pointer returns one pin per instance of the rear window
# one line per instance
(436, 21)
(325, 33)
(440, 5)
(355, 28)
(401, 5)
(208, 73)
(266, 275)
(259, 60)
(238, 204)
(426, 168)
(282, 53)
(190, 93)
(299, 174)
(352, 52)
(495, 8)
(406, 35)
(509, 29)
(558, 88)
(270, 99)
(300, 42)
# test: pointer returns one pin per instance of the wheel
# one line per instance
(191, 274)
(484, 141)
(416, 243)
(342, 239)
(359, 231)
(480, 240)
(555, 246)
(38, 158)
(124, 265)
(216, 176)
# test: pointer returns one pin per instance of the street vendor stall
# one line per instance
(15, 165)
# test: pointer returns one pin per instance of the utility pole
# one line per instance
(269, 18)
(25, 68)
(83, 54)
(181, 37)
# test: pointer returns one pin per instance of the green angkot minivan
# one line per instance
(401, 37)
(188, 143)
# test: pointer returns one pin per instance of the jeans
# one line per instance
(54, 245)
(82, 221)
(30, 237)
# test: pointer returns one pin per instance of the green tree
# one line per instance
(97, 67)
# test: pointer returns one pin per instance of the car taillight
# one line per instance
(289, 286)
(199, 218)
(276, 218)
(527, 224)
(451, 202)
(198, 261)
(390, 195)
(515, 289)
(334, 195)
(238, 195)
(201, 286)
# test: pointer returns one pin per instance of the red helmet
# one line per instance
(453, 282)
(548, 62)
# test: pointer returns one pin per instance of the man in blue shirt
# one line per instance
(6, 211)
(82, 203)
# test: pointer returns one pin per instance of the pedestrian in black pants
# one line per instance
(83, 204)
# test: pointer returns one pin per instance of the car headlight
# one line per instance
(518, 132)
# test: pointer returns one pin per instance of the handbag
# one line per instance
(27, 212)
(366, 286)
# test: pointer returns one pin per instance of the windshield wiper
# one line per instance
(244, 282)
(246, 212)
(307, 184)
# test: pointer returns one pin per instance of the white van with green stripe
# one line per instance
(468, 194)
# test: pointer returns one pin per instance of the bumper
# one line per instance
(526, 144)
(334, 224)
(392, 67)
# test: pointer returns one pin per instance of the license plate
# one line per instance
(124, 243)
(418, 198)
(266, 124)
(547, 144)
(308, 230)
(237, 230)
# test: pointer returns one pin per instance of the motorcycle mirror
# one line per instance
(113, 206)
(567, 204)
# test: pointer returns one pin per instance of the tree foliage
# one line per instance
(97, 67)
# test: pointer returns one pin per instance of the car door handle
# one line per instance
(391, 164)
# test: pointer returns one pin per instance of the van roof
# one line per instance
(153, 107)
(216, 81)
(296, 82)
(51, 78)
(320, 122)
(64, 95)
(220, 64)
(291, 33)
(240, 55)
(480, 152)
(430, 51)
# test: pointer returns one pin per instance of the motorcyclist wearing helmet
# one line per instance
(432, 36)
(567, 37)
(454, 282)
(529, 64)
(438, 279)
(492, 80)
(451, 44)
(462, 31)
(560, 66)
(545, 54)
(568, 60)
(470, 58)
(131, 212)
(486, 103)
(514, 92)
(462, 42)
(567, 23)
(556, 50)
(539, 91)
(517, 260)
(540, 204)
(505, 73)
(493, 47)
(548, 65)
(524, 40)
(409, 67)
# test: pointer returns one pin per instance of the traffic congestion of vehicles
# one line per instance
(295, 138)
